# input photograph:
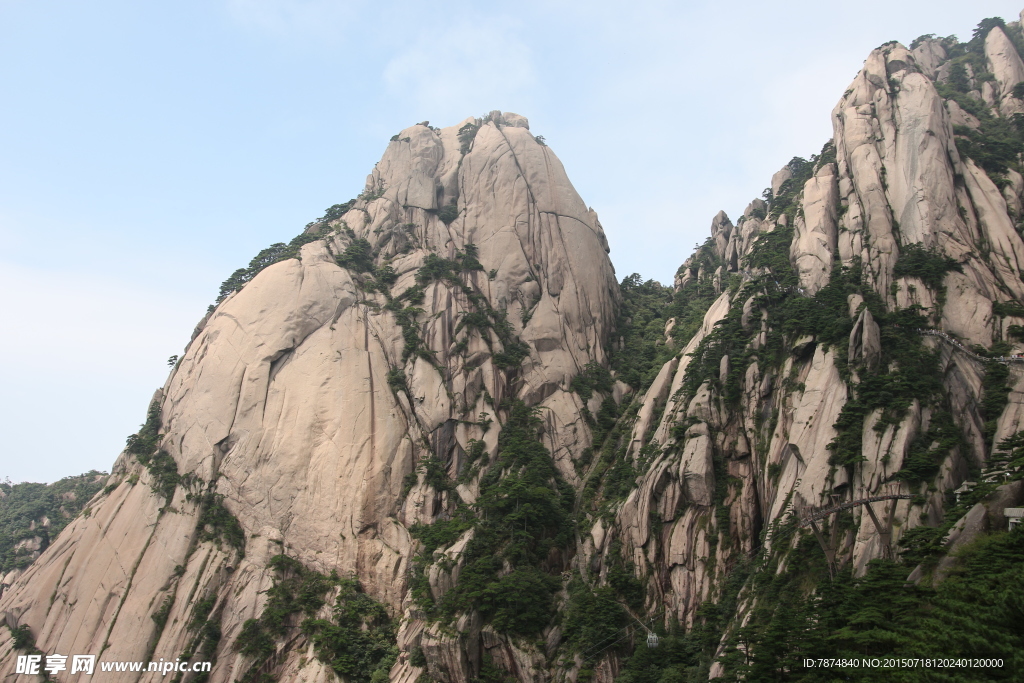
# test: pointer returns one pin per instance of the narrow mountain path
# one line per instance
(963, 349)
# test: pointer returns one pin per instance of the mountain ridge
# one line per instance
(404, 440)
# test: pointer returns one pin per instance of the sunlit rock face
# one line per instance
(283, 400)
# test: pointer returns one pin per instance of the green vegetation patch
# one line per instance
(358, 640)
(25, 503)
(216, 523)
(275, 253)
(595, 377)
(997, 142)
(973, 613)
(521, 523)
(144, 446)
(930, 265)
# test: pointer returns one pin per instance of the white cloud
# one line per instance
(466, 68)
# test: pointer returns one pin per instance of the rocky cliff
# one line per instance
(434, 439)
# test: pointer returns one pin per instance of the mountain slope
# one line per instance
(433, 439)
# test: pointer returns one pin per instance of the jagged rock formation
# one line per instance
(282, 404)
(345, 401)
(896, 183)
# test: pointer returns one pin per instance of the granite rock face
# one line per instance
(282, 403)
(897, 182)
(312, 402)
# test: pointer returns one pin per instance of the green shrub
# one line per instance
(385, 275)
(921, 39)
(522, 513)
(995, 396)
(640, 324)
(357, 641)
(216, 523)
(804, 614)
(466, 136)
(358, 256)
(23, 506)
(447, 214)
(164, 470)
(436, 268)
(396, 379)
(160, 464)
(1008, 308)
(23, 639)
(593, 617)
(512, 357)
(254, 641)
(521, 602)
(408, 482)
(276, 252)
(441, 533)
(785, 201)
(416, 656)
(160, 616)
(336, 211)
(930, 265)
(594, 377)
(929, 449)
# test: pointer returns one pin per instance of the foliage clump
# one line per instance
(336, 211)
(216, 523)
(144, 446)
(279, 251)
(784, 203)
(358, 256)
(358, 640)
(929, 265)
(466, 136)
(930, 448)
(997, 142)
(641, 349)
(26, 503)
(972, 613)
(447, 214)
(594, 377)
(521, 520)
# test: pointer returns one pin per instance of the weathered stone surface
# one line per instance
(815, 240)
(928, 55)
(1006, 66)
(865, 342)
(283, 399)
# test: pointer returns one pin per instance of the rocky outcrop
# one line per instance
(815, 242)
(898, 182)
(1008, 69)
(285, 403)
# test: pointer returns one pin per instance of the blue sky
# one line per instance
(149, 149)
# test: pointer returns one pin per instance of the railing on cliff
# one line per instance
(882, 526)
(1017, 358)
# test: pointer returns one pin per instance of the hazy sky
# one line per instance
(149, 149)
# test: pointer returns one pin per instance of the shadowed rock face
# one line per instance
(310, 398)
